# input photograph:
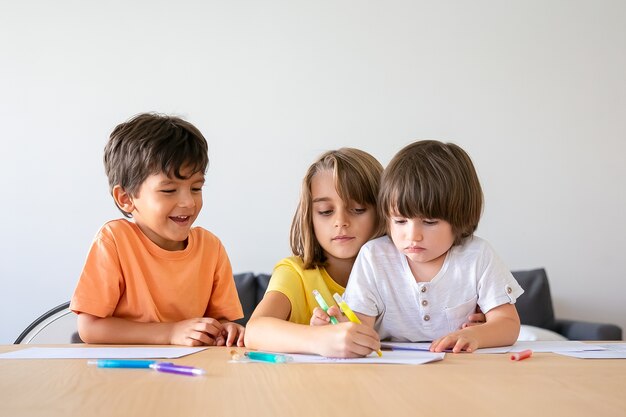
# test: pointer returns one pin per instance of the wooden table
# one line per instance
(461, 385)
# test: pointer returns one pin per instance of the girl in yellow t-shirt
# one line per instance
(336, 215)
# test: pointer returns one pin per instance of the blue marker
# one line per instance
(121, 363)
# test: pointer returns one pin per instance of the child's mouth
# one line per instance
(180, 219)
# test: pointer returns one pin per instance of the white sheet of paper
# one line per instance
(597, 354)
(620, 347)
(535, 346)
(100, 352)
(555, 346)
(406, 346)
(423, 347)
(389, 357)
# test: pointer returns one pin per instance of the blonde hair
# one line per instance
(435, 180)
(357, 178)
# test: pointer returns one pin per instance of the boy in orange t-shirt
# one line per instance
(157, 280)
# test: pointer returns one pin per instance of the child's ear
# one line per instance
(123, 200)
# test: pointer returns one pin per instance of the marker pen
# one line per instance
(268, 357)
(518, 356)
(261, 356)
(322, 303)
(350, 314)
(121, 363)
(177, 369)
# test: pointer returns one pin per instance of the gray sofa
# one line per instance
(534, 306)
(535, 309)
(58, 325)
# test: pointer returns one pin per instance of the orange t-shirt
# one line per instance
(127, 275)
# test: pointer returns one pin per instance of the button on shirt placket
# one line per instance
(424, 304)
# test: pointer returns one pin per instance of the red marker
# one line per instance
(521, 355)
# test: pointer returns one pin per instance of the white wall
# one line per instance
(534, 90)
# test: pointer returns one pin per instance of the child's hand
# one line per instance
(231, 333)
(475, 319)
(346, 340)
(461, 340)
(321, 317)
(200, 331)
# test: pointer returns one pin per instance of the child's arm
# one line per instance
(193, 332)
(268, 329)
(501, 329)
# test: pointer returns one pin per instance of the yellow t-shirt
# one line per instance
(127, 275)
(290, 278)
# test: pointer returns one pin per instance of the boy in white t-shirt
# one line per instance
(421, 281)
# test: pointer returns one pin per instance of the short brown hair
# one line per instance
(151, 143)
(435, 180)
(357, 178)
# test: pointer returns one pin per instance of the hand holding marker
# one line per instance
(350, 314)
(322, 303)
(345, 309)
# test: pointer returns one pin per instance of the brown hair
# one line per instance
(357, 178)
(151, 143)
(435, 180)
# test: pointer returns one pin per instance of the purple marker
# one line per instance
(177, 369)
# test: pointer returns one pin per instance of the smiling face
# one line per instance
(165, 207)
(341, 228)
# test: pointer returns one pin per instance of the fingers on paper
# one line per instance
(454, 342)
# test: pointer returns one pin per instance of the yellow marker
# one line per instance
(350, 314)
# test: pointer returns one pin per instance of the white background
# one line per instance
(535, 91)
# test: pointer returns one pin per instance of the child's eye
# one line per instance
(359, 210)
(325, 212)
(197, 190)
(428, 222)
(399, 221)
(168, 191)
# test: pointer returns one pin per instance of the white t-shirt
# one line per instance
(381, 285)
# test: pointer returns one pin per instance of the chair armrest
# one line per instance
(583, 330)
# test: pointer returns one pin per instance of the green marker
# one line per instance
(322, 303)
(268, 357)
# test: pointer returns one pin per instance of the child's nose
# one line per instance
(415, 232)
(186, 200)
(341, 219)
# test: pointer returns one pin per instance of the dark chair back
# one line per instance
(535, 305)
(251, 289)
